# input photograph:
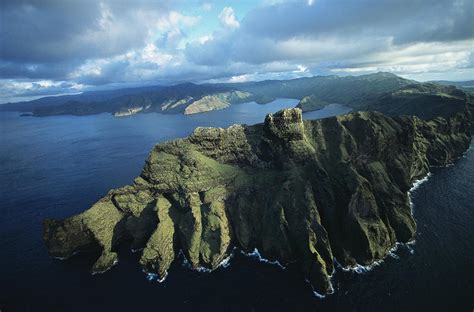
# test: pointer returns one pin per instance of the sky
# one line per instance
(62, 47)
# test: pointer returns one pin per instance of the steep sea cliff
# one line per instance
(308, 192)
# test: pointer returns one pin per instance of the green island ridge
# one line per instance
(311, 103)
(305, 192)
(383, 92)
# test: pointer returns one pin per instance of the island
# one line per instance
(311, 103)
(307, 192)
(384, 92)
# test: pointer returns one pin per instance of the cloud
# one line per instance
(227, 18)
(171, 29)
(414, 60)
(423, 20)
(300, 69)
(113, 43)
(342, 35)
(13, 90)
(76, 40)
(52, 31)
(206, 6)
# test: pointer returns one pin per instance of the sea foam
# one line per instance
(256, 254)
(153, 276)
(225, 263)
(360, 269)
(331, 288)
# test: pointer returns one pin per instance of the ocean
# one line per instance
(54, 167)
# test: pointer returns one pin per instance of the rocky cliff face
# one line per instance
(130, 111)
(304, 192)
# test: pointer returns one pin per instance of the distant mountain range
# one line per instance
(354, 91)
(384, 92)
(464, 85)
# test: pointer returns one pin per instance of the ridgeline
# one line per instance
(302, 192)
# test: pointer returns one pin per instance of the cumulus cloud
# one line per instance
(76, 45)
(12, 90)
(91, 43)
(227, 18)
(348, 36)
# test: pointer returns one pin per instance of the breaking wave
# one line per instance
(256, 254)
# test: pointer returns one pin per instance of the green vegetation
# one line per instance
(304, 192)
(383, 92)
(354, 91)
(425, 100)
(311, 103)
(216, 102)
(463, 85)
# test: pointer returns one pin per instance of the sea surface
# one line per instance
(54, 167)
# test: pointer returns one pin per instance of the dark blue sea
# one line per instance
(54, 167)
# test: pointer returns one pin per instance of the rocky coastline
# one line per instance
(312, 192)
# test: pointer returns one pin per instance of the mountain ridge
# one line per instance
(384, 92)
(261, 92)
(304, 192)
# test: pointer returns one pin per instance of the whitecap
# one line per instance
(410, 245)
(154, 276)
(151, 276)
(416, 184)
(393, 250)
(225, 263)
(202, 270)
(258, 256)
(360, 269)
(394, 255)
(161, 280)
(319, 295)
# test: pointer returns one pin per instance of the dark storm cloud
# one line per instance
(110, 73)
(118, 42)
(48, 32)
(52, 70)
(45, 31)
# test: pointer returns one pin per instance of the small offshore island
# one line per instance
(307, 192)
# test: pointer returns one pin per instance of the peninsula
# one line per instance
(307, 192)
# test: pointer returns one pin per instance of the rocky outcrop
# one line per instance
(173, 104)
(303, 192)
(130, 111)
